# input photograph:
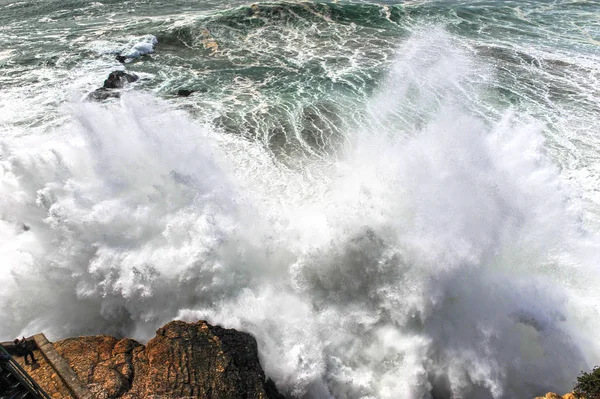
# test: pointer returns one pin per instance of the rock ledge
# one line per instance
(192, 360)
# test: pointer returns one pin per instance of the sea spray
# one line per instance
(434, 255)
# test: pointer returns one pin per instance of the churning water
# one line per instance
(396, 200)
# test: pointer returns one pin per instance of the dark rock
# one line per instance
(118, 79)
(271, 390)
(185, 92)
(193, 360)
(121, 59)
(103, 94)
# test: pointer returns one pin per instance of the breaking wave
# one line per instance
(429, 253)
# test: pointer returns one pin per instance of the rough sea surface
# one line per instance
(398, 200)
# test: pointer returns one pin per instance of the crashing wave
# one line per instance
(144, 46)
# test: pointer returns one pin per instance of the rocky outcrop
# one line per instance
(118, 79)
(102, 94)
(115, 80)
(552, 395)
(184, 92)
(45, 375)
(194, 360)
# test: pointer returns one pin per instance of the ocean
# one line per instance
(397, 199)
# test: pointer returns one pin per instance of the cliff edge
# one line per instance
(192, 360)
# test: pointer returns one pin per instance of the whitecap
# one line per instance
(144, 46)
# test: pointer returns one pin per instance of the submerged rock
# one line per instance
(185, 92)
(189, 92)
(194, 360)
(103, 94)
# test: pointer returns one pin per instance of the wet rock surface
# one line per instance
(185, 92)
(118, 80)
(102, 94)
(115, 80)
(194, 360)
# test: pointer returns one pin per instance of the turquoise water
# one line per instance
(294, 60)
(398, 199)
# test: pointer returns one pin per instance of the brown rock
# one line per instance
(552, 395)
(194, 360)
(102, 362)
(44, 375)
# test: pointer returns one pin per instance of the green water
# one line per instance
(272, 68)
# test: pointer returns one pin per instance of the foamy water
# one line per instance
(425, 241)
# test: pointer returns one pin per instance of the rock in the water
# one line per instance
(103, 94)
(118, 79)
(184, 92)
(194, 360)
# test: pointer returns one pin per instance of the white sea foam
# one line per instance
(6, 54)
(144, 46)
(434, 256)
